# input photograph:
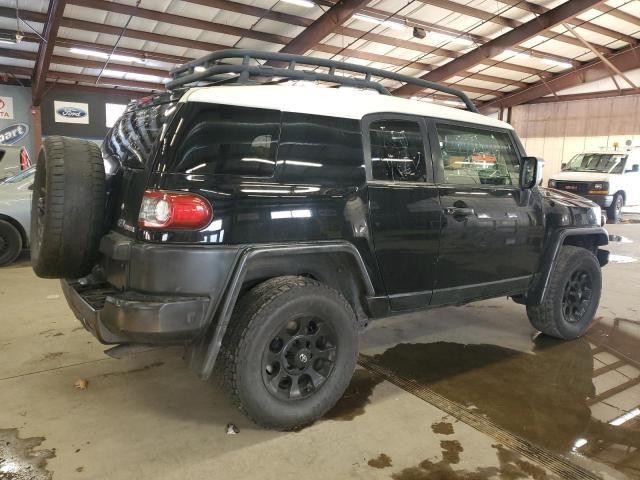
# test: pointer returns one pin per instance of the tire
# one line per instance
(68, 208)
(614, 211)
(269, 333)
(10, 243)
(566, 313)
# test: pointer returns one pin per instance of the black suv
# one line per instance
(263, 225)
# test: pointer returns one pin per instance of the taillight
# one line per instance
(173, 211)
(24, 159)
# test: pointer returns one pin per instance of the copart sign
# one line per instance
(13, 133)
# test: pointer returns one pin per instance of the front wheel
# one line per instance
(572, 296)
(614, 212)
(290, 352)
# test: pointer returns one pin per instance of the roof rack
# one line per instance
(212, 68)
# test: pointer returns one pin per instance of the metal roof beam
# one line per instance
(626, 59)
(499, 44)
(500, 20)
(54, 16)
(585, 96)
(576, 22)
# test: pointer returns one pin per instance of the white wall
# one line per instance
(558, 131)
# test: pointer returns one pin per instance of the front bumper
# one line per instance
(604, 201)
(150, 293)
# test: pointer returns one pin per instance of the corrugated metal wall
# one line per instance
(558, 131)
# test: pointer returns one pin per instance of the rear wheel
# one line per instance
(10, 243)
(290, 352)
(68, 208)
(572, 297)
(614, 211)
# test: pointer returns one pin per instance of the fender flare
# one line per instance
(540, 283)
(209, 348)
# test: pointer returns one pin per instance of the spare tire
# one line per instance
(68, 208)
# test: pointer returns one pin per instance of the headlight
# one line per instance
(552, 184)
(595, 215)
(599, 188)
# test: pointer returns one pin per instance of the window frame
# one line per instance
(438, 164)
(366, 122)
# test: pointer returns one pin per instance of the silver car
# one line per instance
(15, 215)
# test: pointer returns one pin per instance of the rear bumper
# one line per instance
(150, 293)
(604, 201)
(122, 317)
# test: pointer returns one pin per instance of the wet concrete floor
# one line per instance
(458, 393)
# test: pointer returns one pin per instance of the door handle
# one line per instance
(459, 212)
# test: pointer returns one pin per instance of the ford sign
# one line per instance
(71, 112)
(13, 133)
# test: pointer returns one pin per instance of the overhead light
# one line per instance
(378, 21)
(442, 37)
(94, 53)
(301, 3)
(419, 32)
(8, 38)
(557, 63)
(513, 53)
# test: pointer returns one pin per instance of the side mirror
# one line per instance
(530, 172)
(634, 169)
(563, 167)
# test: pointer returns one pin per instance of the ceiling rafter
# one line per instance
(54, 15)
(277, 39)
(497, 45)
(585, 96)
(167, 39)
(501, 20)
(625, 59)
(540, 9)
(90, 79)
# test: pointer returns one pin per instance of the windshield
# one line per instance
(21, 176)
(597, 162)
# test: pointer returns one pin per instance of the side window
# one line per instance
(226, 140)
(314, 147)
(397, 151)
(473, 156)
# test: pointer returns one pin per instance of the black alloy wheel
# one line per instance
(577, 296)
(299, 359)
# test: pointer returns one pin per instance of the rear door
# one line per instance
(403, 205)
(492, 231)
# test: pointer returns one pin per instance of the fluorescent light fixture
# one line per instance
(301, 3)
(378, 21)
(513, 53)
(616, 422)
(94, 53)
(446, 37)
(556, 63)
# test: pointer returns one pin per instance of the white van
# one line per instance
(610, 178)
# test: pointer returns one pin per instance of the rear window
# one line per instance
(133, 137)
(223, 140)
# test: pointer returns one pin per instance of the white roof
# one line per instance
(332, 102)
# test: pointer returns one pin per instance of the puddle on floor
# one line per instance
(19, 459)
(356, 397)
(546, 396)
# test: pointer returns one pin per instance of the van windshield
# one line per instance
(597, 162)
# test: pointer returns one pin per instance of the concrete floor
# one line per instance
(457, 393)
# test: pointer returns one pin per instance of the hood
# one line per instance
(566, 198)
(581, 176)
